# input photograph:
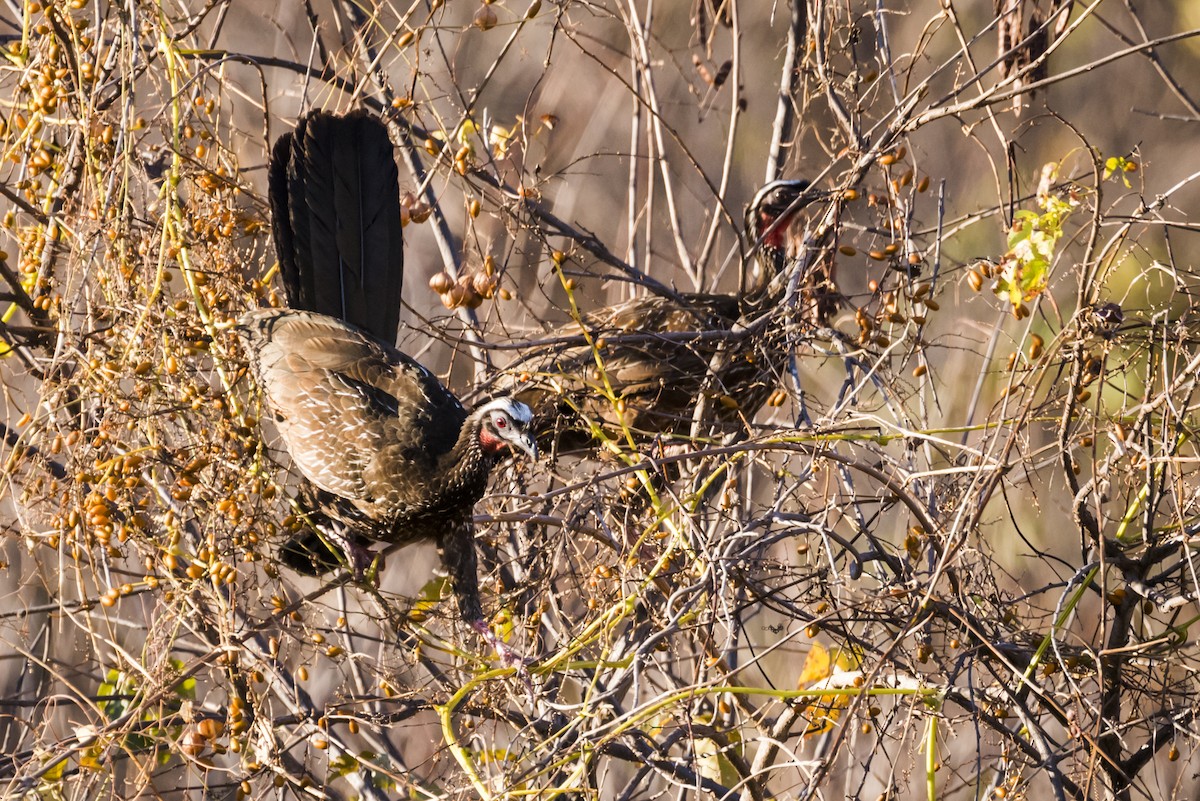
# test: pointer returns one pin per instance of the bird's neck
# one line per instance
(470, 460)
(771, 258)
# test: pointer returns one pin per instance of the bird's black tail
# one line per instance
(335, 200)
(310, 554)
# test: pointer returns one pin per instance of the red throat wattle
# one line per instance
(773, 238)
(489, 442)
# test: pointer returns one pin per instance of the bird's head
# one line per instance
(505, 421)
(767, 220)
(778, 199)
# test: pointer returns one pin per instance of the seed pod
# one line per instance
(887, 159)
(847, 250)
(1035, 347)
(722, 73)
(441, 283)
(192, 742)
(211, 728)
(919, 371)
(923, 184)
(457, 295)
(420, 212)
(485, 18)
(484, 284)
(975, 279)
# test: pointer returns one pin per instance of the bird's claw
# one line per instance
(509, 657)
(364, 564)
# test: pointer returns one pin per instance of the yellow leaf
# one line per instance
(822, 716)
(467, 130)
(500, 138)
(817, 666)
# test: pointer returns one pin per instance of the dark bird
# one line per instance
(658, 353)
(388, 454)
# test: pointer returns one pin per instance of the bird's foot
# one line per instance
(364, 564)
(509, 657)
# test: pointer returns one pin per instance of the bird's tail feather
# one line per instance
(335, 197)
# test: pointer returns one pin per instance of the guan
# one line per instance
(387, 453)
(660, 352)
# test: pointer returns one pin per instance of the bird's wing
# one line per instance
(342, 399)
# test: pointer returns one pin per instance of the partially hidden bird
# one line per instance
(657, 352)
(385, 451)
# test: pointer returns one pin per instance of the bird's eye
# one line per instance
(499, 422)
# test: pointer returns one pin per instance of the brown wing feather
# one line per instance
(351, 411)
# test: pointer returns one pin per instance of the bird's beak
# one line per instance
(526, 443)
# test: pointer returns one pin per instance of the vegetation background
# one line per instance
(952, 558)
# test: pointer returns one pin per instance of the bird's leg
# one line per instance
(509, 657)
(457, 547)
(361, 560)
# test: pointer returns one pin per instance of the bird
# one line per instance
(657, 351)
(386, 452)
